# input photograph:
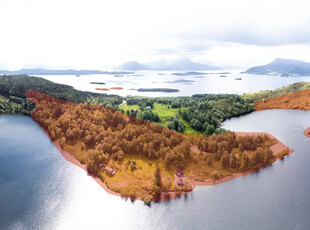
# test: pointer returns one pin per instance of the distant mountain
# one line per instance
(133, 65)
(283, 67)
(183, 64)
(40, 71)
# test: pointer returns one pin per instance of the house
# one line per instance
(134, 110)
(148, 107)
(108, 170)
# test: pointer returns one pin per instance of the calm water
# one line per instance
(211, 83)
(39, 189)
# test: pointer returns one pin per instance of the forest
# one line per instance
(204, 113)
(195, 114)
(201, 113)
(145, 156)
(13, 100)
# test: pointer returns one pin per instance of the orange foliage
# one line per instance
(103, 89)
(298, 100)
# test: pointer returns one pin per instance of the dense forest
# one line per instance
(13, 87)
(203, 112)
(144, 154)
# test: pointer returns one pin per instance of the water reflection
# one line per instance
(39, 189)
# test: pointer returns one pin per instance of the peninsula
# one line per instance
(141, 160)
(147, 148)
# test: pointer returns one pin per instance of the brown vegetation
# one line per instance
(103, 89)
(145, 156)
(297, 100)
(117, 88)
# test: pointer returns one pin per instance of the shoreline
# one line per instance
(167, 196)
(306, 132)
(164, 196)
(276, 148)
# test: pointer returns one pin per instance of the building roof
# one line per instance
(108, 169)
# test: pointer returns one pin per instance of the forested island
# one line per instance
(146, 148)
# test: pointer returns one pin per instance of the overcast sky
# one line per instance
(100, 34)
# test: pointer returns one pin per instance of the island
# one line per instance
(102, 89)
(180, 81)
(97, 83)
(188, 73)
(117, 88)
(165, 90)
(282, 67)
(197, 73)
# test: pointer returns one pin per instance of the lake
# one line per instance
(192, 84)
(39, 189)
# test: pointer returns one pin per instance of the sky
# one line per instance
(93, 34)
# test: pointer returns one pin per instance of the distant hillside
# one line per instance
(266, 94)
(40, 71)
(183, 64)
(283, 67)
(133, 65)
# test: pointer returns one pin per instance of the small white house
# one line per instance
(148, 107)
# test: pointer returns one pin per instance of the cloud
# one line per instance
(250, 35)
(92, 34)
(262, 23)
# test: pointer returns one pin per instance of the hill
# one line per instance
(266, 94)
(133, 65)
(183, 64)
(297, 100)
(283, 67)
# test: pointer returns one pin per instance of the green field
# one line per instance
(164, 114)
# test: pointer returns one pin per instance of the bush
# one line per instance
(210, 130)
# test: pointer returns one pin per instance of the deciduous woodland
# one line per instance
(142, 160)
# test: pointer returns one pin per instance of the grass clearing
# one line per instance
(164, 114)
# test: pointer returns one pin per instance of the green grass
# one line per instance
(128, 107)
(164, 114)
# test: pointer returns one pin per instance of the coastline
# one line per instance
(306, 132)
(167, 196)
(164, 196)
(276, 148)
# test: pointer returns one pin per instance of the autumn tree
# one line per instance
(157, 183)
(233, 161)
(225, 160)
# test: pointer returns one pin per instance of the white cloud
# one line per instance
(95, 34)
